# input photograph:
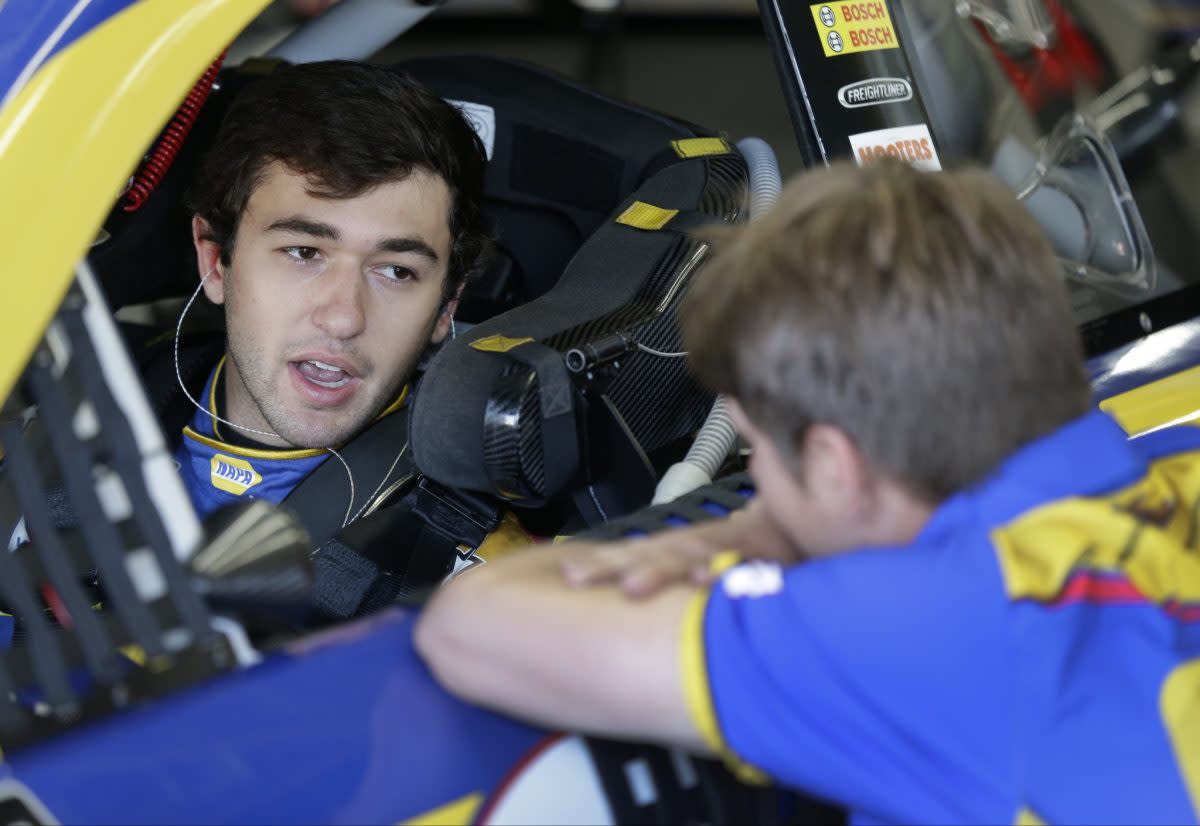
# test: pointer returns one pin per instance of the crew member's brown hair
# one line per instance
(923, 314)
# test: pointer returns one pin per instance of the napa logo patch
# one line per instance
(232, 475)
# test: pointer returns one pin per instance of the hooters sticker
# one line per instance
(906, 143)
(846, 28)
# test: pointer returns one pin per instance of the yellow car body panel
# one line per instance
(71, 137)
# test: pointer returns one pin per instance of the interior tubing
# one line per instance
(717, 435)
(715, 439)
(765, 180)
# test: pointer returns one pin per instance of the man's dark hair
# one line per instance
(348, 127)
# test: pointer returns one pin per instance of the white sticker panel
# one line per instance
(907, 143)
(875, 92)
(482, 119)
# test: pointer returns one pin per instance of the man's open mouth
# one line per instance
(322, 374)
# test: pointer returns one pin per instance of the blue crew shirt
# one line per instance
(1033, 656)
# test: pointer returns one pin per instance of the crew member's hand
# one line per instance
(642, 567)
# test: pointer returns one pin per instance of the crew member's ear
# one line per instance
(837, 473)
(208, 259)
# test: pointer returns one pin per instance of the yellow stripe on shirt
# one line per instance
(698, 693)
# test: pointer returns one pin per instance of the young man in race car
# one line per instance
(338, 213)
(968, 597)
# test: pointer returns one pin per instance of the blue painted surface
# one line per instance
(1148, 359)
(26, 25)
(349, 727)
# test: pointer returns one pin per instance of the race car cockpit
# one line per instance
(537, 404)
(563, 399)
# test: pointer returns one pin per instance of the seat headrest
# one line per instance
(479, 419)
(562, 157)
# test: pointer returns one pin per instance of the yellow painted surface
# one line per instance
(1171, 400)
(72, 137)
(508, 537)
(1180, 706)
(458, 813)
(1026, 817)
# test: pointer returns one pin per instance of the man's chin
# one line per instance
(317, 437)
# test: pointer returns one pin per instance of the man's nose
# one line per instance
(339, 309)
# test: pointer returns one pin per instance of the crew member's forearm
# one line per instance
(514, 637)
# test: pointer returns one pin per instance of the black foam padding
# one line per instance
(149, 254)
(564, 156)
(569, 171)
(608, 273)
(561, 153)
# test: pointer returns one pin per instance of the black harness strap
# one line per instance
(401, 551)
(378, 458)
(556, 400)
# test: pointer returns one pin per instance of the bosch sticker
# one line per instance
(874, 92)
(846, 28)
(907, 143)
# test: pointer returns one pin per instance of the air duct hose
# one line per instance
(717, 435)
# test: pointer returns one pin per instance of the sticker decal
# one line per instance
(752, 579)
(874, 92)
(907, 143)
(847, 28)
(482, 119)
(233, 475)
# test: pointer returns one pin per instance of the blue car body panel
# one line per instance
(1137, 364)
(347, 727)
(33, 31)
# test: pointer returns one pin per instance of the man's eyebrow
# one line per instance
(306, 226)
(319, 229)
(408, 245)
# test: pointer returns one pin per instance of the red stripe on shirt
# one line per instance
(1107, 588)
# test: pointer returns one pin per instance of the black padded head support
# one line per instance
(562, 158)
(476, 420)
(565, 162)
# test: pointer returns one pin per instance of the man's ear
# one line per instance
(837, 473)
(441, 327)
(208, 258)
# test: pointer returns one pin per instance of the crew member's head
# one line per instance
(337, 215)
(890, 337)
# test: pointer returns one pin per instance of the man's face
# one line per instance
(328, 303)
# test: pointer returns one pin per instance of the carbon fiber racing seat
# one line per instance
(575, 393)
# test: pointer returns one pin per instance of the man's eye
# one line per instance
(301, 253)
(395, 272)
